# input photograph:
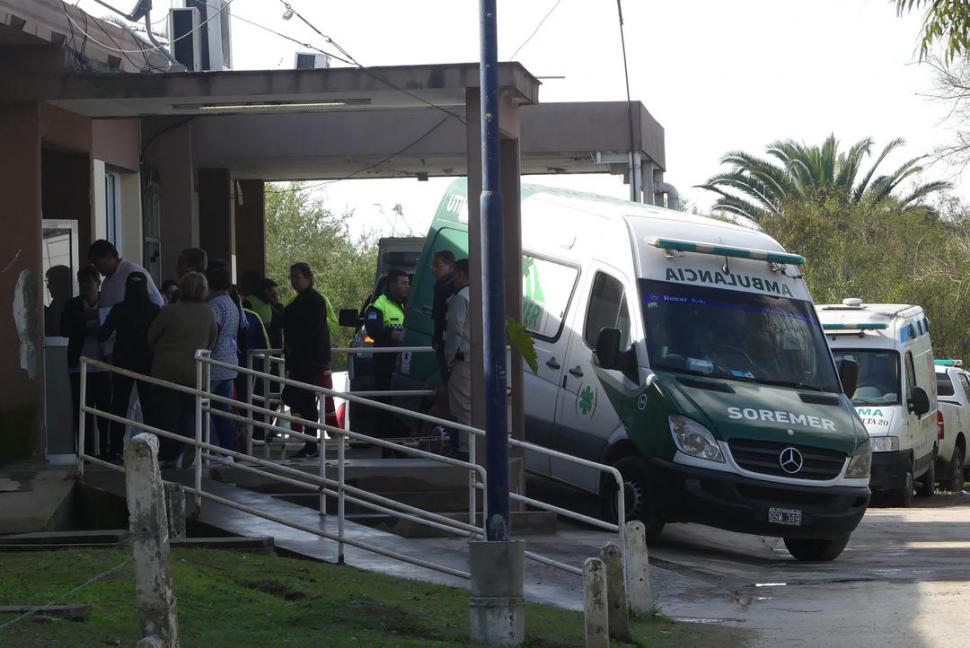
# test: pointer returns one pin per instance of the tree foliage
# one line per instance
(884, 253)
(944, 21)
(299, 228)
(758, 188)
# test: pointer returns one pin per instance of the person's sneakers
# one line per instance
(308, 451)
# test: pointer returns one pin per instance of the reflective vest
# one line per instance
(391, 311)
(333, 323)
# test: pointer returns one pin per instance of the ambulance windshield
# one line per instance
(736, 335)
(878, 375)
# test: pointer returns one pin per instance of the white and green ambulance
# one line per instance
(896, 390)
(684, 351)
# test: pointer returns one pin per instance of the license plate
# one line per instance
(787, 517)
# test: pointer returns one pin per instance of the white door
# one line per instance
(585, 418)
(548, 286)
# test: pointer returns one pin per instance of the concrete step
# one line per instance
(35, 500)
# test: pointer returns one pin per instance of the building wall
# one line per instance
(21, 311)
(167, 148)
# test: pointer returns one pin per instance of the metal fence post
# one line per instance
(322, 448)
(82, 416)
(208, 411)
(341, 496)
(197, 465)
(595, 604)
(250, 384)
(637, 568)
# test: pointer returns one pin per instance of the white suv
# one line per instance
(953, 419)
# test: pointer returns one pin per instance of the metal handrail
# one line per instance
(321, 483)
(343, 492)
(525, 445)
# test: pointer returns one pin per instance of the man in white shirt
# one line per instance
(104, 255)
(458, 349)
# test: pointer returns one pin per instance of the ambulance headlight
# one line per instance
(861, 461)
(694, 439)
(885, 444)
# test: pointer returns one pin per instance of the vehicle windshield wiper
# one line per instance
(793, 383)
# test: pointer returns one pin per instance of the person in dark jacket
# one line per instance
(306, 346)
(384, 322)
(79, 324)
(128, 321)
(443, 268)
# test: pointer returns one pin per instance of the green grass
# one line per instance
(235, 599)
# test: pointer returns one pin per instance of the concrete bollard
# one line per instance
(496, 608)
(149, 533)
(175, 511)
(596, 604)
(637, 569)
(619, 613)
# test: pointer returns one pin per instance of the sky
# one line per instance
(719, 76)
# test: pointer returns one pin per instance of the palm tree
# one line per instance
(756, 187)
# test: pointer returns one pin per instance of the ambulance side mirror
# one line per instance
(919, 401)
(849, 375)
(349, 317)
(608, 348)
(609, 356)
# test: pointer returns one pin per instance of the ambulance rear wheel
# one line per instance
(816, 549)
(637, 501)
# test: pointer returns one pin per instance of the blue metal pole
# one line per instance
(493, 288)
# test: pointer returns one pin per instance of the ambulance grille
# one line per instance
(763, 457)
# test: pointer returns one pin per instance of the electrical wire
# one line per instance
(629, 101)
(153, 49)
(374, 165)
(94, 578)
(290, 38)
(366, 71)
(536, 30)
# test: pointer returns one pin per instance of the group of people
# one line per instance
(451, 337)
(121, 318)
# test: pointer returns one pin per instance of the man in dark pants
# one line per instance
(306, 345)
(384, 322)
(79, 324)
(443, 268)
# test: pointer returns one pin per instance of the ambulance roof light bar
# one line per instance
(948, 363)
(854, 327)
(681, 245)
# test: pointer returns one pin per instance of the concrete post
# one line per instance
(612, 558)
(597, 615)
(637, 569)
(175, 510)
(496, 608)
(149, 532)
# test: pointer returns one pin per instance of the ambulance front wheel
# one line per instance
(816, 549)
(637, 501)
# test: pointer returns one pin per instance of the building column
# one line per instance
(473, 157)
(250, 226)
(216, 214)
(21, 285)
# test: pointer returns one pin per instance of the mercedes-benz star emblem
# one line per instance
(790, 460)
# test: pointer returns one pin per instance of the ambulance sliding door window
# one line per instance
(607, 309)
(547, 289)
(910, 376)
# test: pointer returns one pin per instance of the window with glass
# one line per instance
(547, 288)
(607, 309)
(735, 335)
(878, 382)
(944, 386)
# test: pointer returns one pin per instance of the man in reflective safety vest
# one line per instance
(384, 322)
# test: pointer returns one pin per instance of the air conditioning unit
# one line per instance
(215, 42)
(312, 61)
(183, 30)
